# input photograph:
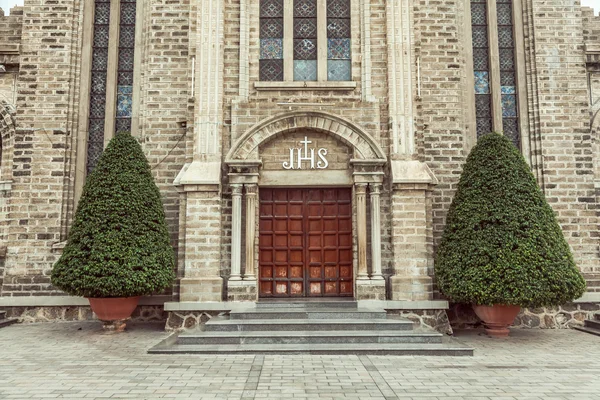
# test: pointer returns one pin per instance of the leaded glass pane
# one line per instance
(481, 59)
(509, 105)
(305, 70)
(508, 89)
(96, 133)
(338, 49)
(480, 37)
(102, 13)
(504, 14)
(483, 106)
(507, 59)
(478, 14)
(482, 82)
(100, 59)
(123, 125)
(338, 28)
(101, 36)
(271, 70)
(305, 28)
(507, 79)
(338, 8)
(505, 36)
(339, 70)
(124, 101)
(510, 128)
(271, 49)
(128, 12)
(271, 8)
(271, 28)
(305, 49)
(127, 36)
(484, 126)
(98, 82)
(126, 59)
(305, 8)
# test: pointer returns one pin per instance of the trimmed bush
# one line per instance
(119, 244)
(502, 243)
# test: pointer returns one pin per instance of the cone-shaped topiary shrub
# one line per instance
(119, 244)
(502, 243)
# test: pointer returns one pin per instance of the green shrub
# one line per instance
(119, 244)
(502, 243)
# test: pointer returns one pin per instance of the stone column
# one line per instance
(375, 191)
(251, 195)
(236, 233)
(361, 225)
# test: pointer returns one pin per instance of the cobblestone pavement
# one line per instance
(76, 360)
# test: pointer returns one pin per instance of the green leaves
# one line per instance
(119, 243)
(502, 243)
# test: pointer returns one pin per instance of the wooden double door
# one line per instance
(305, 243)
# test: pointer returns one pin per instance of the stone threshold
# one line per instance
(68, 301)
(244, 305)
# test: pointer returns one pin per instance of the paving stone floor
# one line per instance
(76, 360)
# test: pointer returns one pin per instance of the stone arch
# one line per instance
(7, 137)
(364, 145)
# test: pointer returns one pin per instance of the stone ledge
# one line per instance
(590, 297)
(65, 301)
(206, 305)
(406, 305)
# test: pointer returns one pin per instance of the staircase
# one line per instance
(6, 321)
(591, 326)
(312, 328)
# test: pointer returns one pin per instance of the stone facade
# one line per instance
(398, 134)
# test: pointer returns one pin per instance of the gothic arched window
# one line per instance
(305, 40)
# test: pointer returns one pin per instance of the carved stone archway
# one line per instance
(365, 147)
(7, 137)
(243, 161)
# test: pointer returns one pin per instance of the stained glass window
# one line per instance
(271, 40)
(481, 67)
(125, 66)
(318, 47)
(305, 40)
(98, 83)
(339, 65)
(508, 87)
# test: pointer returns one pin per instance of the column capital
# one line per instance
(251, 189)
(236, 189)
(375, 188)
(361, 188)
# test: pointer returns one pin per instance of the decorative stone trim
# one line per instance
(366, 147)
(276, 86)
(562, 317)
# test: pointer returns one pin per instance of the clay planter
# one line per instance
(114, 311)
(497, 318)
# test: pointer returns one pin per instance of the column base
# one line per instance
(411, 288)
(242, 290)
(367, 289)
(201, 289)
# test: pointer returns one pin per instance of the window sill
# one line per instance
(272, 86)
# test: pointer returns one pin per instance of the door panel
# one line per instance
(305, 243)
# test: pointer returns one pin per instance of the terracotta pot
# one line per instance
(497, 318)
(114, 309)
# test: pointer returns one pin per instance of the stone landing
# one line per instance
(311, 328)
(6, 321)
(591, 326)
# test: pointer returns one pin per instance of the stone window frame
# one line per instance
(111, 85)
(495, 91)
(288, 58)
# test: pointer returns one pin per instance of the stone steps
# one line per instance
(6, 321)
(591, 326)
(228, 325)
(310, 313)
(399, 349)
(309, 337)
(315, 328)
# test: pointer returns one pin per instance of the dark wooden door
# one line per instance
(305, 243)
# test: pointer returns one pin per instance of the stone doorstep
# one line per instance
(6, 321)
